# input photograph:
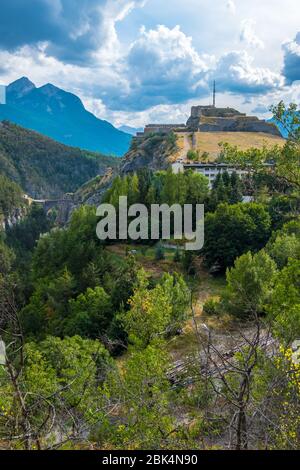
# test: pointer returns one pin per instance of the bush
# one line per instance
(233, 230)
(159, 253)
(211, 307)
(192, 155)
(177, 256)
(249, 285)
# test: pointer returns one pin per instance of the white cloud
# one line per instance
(114, 11)
(291, 68)
(157, 75)
(231, 6)
(248, 35)
(236, 73)
(80, 32)
(162, 67)
(160, 113)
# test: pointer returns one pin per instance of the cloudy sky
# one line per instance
(135, 61)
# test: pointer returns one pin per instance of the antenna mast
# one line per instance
(214, 95)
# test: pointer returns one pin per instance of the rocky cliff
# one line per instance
(151, 151)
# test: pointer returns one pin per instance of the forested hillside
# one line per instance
(45, 168)
(11, 196)
(126, 345)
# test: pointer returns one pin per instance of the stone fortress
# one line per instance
(213, 119)
(205, 131)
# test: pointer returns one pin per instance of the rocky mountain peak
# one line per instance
(20, 87)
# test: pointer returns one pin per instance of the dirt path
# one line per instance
(187, 146)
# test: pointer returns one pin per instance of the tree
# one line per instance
(284, 305)
(285, 244)
(11, 198)
(144, 394)
(283, 248)
(145, 176)
(74, 247)
(177, 256)
(133, 190)
(48, 307)
(236, 189)
(7, 257)
(49, 391)
(179, 297)
(90, 314)
(193, 155)
(229, 375)
(174, 189)
(157, 312)
(149, 314)
(283, 208)
(226, 188)
(249, 285)
(233, 230)
(24, 235)
(288, 118)
(285, 171)
(197, 188)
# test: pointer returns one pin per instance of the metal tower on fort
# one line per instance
(214, 94)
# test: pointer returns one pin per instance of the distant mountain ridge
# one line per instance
(131, 130)
(44, 168)
(62, 116)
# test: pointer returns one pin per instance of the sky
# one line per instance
(138, 61)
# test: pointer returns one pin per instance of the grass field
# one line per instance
(209, 142)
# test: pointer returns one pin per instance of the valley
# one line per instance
(149, 232)
(187, 350)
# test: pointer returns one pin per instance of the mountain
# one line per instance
(45, 168)
(131, 130)
(61, 116)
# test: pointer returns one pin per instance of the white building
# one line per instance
(210, 170)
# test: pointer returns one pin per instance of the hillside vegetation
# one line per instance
(11, 197)
(157, 151)
(45, 168)
(209, 142)
(126, 344)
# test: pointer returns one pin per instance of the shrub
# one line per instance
(159, 253)
(211, 307)
(177, 256)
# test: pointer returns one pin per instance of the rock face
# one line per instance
(152, 152)
(211, 119)
(13, 219)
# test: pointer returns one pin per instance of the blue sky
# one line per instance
(135, 61)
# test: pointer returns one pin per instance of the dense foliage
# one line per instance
(11, 198)
(45, 168)
(232, 230)
(97, 351)
(162, 187)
